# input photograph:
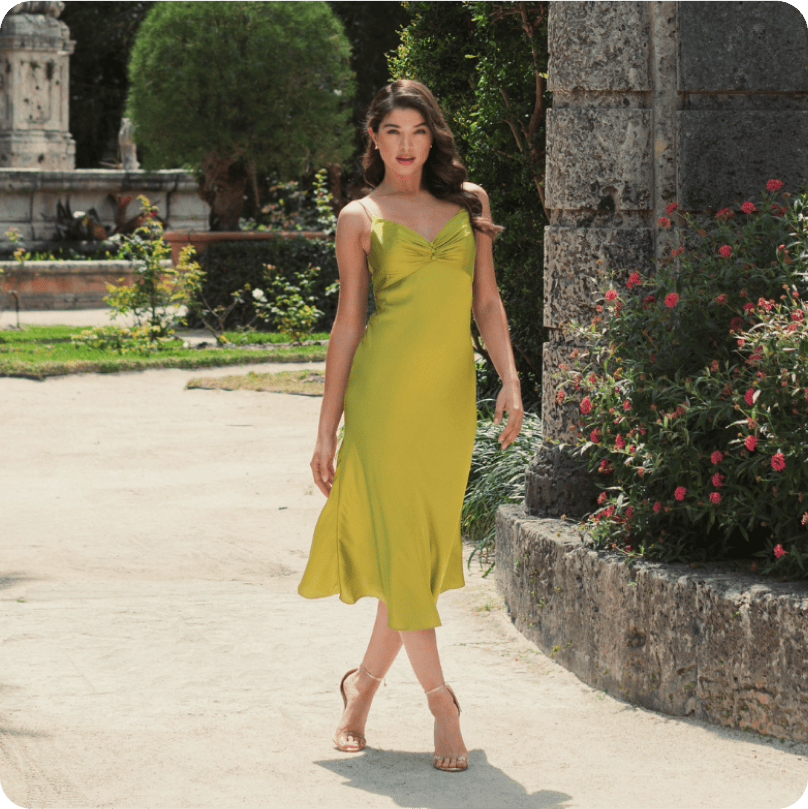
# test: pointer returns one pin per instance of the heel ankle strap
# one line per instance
(372, 677)
(437, 688)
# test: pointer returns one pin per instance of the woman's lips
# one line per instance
(405, 160)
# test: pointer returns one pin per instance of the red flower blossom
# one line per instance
(633, 280)
(748, 207)
(680, 493)
(647, 301)
(664, 222)
(798, 315)
(736, 324)
(620, 442)
(750, 443)
(629, 512)
(718, 480)
(749, 396)
(717, 457)
(611, 295)
(715, 497)
(714, 365)
(677, 251)
(672, 206)
(725, 250)
(724, 214)
(605, 466)
(657, 506)
(602, 498)
(586, 405)
(671, 299)
(594, 436)
(778, 461)
(779, 551)
(764, 304)
(774, 185)
(722, 298)
(560, 397)
(627, 405)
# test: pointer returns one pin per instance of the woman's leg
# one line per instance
(360, 689)
(422, 650)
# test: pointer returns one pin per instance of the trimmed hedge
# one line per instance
(229, 266)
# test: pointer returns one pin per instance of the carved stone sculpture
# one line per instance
(129, 161)
(46, 9)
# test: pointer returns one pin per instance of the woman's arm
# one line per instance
(489, 314)
(349, 326)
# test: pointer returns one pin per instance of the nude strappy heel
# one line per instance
(462, 761)
(343, 740)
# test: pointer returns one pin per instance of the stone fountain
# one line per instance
(37, 165)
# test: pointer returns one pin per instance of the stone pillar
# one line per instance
(611, 169)
(35, 50)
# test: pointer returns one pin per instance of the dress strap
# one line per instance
(370, 215)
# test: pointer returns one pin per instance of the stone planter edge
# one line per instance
(730, 649)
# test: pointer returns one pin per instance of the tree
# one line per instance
(234, 88)
(486, 63)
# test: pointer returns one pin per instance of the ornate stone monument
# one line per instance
(35, 49)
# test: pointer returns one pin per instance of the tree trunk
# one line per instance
(222, 187)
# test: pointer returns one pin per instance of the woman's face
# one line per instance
(404, 140)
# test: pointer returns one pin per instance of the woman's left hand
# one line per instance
(509, 400)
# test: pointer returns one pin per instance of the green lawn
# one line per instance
(41, 351)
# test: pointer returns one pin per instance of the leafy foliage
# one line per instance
(264, 83)
(486, 63)
(694, 393)
(496, 477)
(230, 266)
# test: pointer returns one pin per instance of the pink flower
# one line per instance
(633, 280)
(657, 506)
(716, 457)
(778, 461)
(594, 436)
(680, 493)
(780, 247)
(602, 498)
(779, 551)
(749, 396)
(672, 206)
(724, 214)
(798, 315)
(715, 497)
(671, 300)
(741, 342)
(620, 441)
(714, 365)
(774, 185)
(725, 250)
(736, 324)
(629, 512)
(677, 251)
(611, 295)
(664, 222)
(586, 405)
(750, 443)
(748, 207)
(627, 405)
(722, 298)
(718, 480)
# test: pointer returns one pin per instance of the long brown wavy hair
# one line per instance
(444, 172)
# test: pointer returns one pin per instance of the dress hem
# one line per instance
(375, 595)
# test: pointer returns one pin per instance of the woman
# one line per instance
(390, 528)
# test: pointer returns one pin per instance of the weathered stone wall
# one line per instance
(698, 103)
(714, 645)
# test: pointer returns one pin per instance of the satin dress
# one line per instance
(390, 528)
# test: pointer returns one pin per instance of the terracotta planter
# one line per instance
(200, 240)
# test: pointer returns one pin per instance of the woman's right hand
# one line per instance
(322, 463)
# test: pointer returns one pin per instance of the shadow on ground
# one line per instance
(410, 780)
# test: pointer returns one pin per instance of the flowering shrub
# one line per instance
(694, 393)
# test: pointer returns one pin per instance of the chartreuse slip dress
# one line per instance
(390, 528)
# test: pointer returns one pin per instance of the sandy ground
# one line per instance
(155, 652)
